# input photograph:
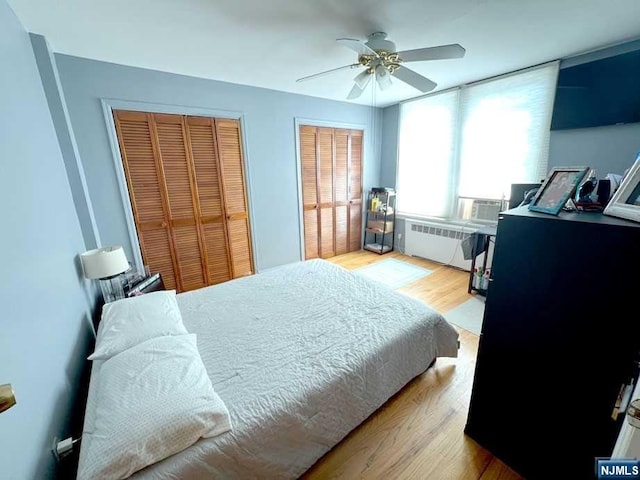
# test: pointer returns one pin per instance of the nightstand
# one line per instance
(149, 284)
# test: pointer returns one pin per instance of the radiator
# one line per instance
(437, 241)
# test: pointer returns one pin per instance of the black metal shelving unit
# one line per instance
(381, 219)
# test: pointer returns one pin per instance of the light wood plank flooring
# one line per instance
(418, 434)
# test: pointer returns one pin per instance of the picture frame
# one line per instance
(559, 186)
(625, 202)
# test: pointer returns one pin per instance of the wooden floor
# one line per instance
(418, 434)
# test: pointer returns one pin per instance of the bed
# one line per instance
(301, 355)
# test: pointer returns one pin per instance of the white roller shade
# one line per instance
(426, 148)
(504, 138)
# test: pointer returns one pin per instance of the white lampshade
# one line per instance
(104, 262)
(383, 77)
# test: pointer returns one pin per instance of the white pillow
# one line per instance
(153, 400)
(130, 321)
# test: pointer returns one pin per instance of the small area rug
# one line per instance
(393, 273)
(468, 315)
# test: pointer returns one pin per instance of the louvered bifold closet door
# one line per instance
(341, 205)
(331, 176)
(144, 177)
(180, 194)
(355, 190)
(309, 172)
(324, 145)
(213, 225)
(185, 178)
(228, 138)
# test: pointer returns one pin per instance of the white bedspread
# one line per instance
(301, 355)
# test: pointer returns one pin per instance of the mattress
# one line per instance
(301, 355)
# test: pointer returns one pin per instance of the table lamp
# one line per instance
(106, 264)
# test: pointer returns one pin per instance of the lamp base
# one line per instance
(111, 288)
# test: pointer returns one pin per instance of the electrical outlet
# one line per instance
(62, 448)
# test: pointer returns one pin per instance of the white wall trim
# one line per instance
(109, 104)
(298, 121)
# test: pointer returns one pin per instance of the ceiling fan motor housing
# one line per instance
(378, 41)
(386, 54)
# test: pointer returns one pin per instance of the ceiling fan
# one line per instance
(379, 57)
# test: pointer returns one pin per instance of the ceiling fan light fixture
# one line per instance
(363, 78)
(383, 77)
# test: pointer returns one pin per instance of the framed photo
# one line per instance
(625, 202)
(558, 187)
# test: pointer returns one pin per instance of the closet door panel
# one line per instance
(235, 197)
(141, 171)
(341, 176)
(178, 180)
(355, 166)
(215, 237)
(342, 229)
(240, 247)
(325, 165)
(355, 226)
(189, 257)
(342, 167)
(201, 133)
(156, 254)
(324, 145)
(355, 190)
(327, 240)
(309, 173)
(311, 234)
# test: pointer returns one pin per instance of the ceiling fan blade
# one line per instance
(414, 79)
(357, 46)
(316, 75)
(357, 89)
(362, 79)
(442, 52)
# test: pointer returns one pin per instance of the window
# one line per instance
(474, 141)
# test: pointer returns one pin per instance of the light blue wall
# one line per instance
(66, 139)
(268, 118)
(609, 149)
(44, 325)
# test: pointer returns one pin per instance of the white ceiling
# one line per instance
(272, 43)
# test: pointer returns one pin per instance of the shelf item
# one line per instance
(380, 220)
(559, 335)
(377, 247)
(146, 285)
(479, 277)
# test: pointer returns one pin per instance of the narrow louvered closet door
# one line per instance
(178, 177)
(355, 190)
(324, 147)
(144, 177)
(341, 205)
(235, 196)
(213, 225)
(309, 172)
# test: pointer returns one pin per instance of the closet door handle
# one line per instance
(163, 224)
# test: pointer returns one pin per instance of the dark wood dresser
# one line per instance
(560, 336)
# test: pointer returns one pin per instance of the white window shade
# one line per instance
(505, 132)
(426, 149)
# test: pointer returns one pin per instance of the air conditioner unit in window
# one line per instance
(479, 210)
